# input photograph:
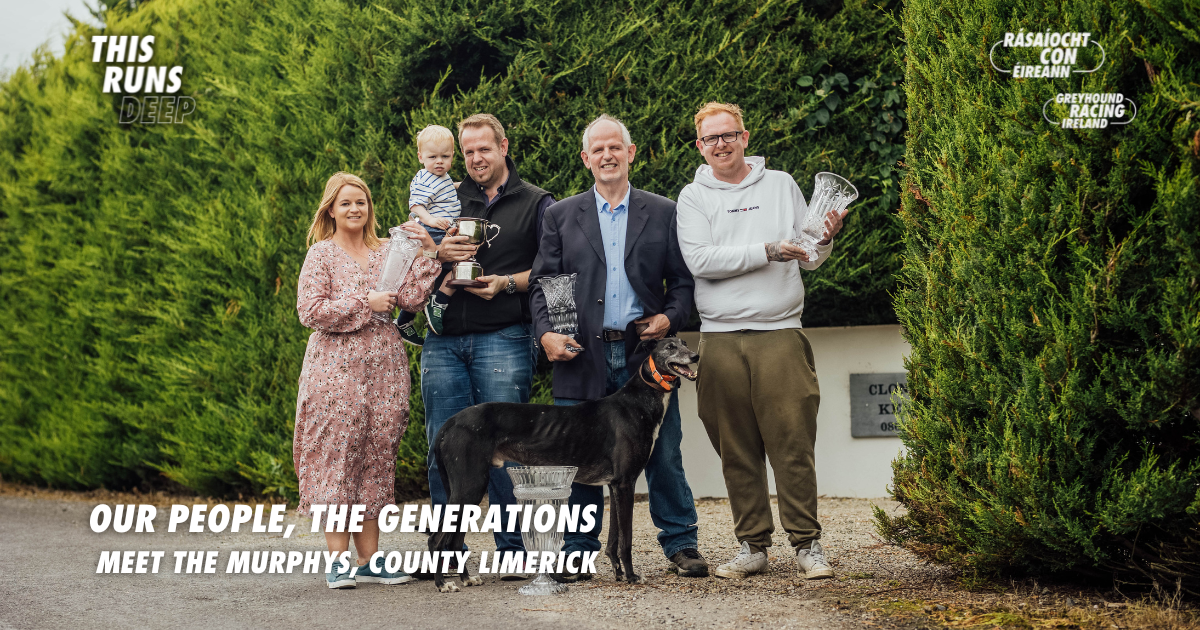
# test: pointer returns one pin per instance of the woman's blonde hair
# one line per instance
(323, 225)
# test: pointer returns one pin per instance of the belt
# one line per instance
(614, 335)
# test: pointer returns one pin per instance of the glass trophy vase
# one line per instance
(537, 486)
(402, 251)
(560, 302)
(830, 193)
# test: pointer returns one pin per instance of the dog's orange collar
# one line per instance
(666, 382)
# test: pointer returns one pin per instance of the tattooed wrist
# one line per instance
(774, 252)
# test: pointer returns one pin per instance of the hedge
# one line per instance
(148, 272)
(1050, 293)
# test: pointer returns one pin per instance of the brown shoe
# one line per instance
(689, 563)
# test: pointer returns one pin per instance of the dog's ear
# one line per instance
(646, 344)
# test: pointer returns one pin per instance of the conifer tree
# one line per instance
(1050, 293)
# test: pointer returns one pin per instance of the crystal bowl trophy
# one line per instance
(560, 300)
(402, 250)
(466, 273)
(830, 193)
(538, 486)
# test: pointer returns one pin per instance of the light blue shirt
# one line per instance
(621, 304)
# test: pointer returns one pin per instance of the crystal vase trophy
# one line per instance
(830, 193)
(466, 273)
(560, 300)
(402, 251)
(538, 486)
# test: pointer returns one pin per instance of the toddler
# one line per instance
(433, 199)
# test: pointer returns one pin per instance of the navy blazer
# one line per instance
(572, 243)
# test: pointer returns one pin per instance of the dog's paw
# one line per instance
(474, 580)
(636, 579)
(448, 587)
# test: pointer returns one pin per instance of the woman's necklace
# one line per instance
(359, 253)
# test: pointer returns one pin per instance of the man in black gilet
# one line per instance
(486, 351)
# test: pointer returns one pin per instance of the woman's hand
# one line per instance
(419, 234)
(382, 301)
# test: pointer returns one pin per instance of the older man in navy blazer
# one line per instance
(633, 284)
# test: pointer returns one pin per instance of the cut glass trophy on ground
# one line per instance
(402, 251)
(830, 193)
(560, 300)
(538, 486)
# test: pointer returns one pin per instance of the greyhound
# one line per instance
(609, 440)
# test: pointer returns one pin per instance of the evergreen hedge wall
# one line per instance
(148, 272)
(1050, 294)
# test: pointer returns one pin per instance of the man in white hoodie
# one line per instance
(758, 391)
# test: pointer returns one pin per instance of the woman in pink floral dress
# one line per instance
(353, 404)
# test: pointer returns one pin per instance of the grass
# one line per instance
(856, 576)
(1032, 607)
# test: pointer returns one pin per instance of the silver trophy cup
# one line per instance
(560, 300)
(402, 251)
(538, 486)
(466, 273)
(830, 193)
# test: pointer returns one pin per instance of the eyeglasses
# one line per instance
(729, 137)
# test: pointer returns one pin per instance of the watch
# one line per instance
(432, 255)
(512, 285)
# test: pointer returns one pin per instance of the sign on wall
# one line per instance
(874, 399)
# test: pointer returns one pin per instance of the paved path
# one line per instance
(48, 580)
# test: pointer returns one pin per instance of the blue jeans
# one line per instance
(458, 371)
(436, 233)
(671, 505)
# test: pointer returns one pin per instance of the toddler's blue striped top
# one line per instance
(437, 194)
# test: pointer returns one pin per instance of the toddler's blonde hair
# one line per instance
(434, 135)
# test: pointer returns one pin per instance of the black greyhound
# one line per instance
(609, 440)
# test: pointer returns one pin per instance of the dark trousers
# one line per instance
(671, 505)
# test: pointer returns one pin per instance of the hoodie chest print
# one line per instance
(733, 210)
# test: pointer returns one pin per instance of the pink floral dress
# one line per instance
(353, 404)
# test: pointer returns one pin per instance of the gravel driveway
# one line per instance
(48, 580)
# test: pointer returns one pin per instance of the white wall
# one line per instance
(846, 466)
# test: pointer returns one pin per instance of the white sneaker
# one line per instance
(744, 564)
(813, 564)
